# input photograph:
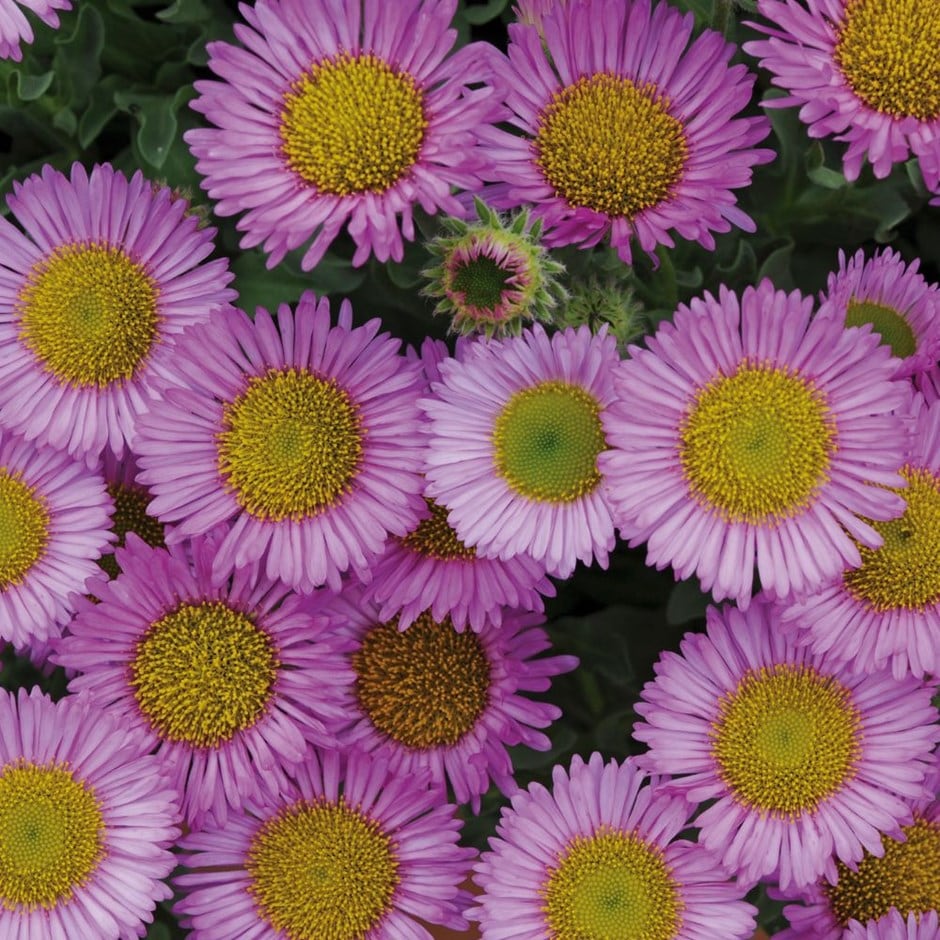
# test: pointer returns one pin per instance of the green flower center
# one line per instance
(479, 282)
(322, 871)
(893, 329)
(546, 441)
(89, 314)
(352, 124)
(51, 835)
(612, 886)
(24, 528)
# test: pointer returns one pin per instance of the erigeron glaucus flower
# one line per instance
(865, 71)
(748, 434)
(15, 27)
(87, 821)
(887, 611)
(303, 435)
(891, 296)
(351, 850)
(105, 273)
(801, 761)
(895, 927)
(430, 697)
(628, 129)
(515, 434)
(340, 114)
(598, 856)
(55, 520)
(229, 684)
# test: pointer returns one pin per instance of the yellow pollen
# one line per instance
(203, 673)
(424, 687)
(434, 538)
(51, 835)
(352, 124)
(89, 314)
(786, 739)
(290, 445)
(906, 877)
(887, 51)
(905, 572)
(322, 871)
(612, 886)
(130, 515)
(610, 145)
(756, 445)
(546, 441)
(24, 528)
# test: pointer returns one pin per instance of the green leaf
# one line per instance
(31, 87)
(157, 132)
(478, 15)
(101, 108)
(184, 11)
(78, 59)
(159, 931)
(777, 267)
(686, 602)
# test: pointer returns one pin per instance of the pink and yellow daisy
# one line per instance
(304, 436)
(87, 820)
(229, 683)
(15, 28)
(352, 850)
(104, 274)
(55, 522)
(748, 434)
(317, 129)
(596, 857)
(802, 762)
(628, 126)
(515, 434)
(863, 70)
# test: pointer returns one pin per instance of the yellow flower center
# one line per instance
(130, 515)
(203, 673)
(906, 877)
(612, 886)
(546, 441)
(610, 145)
(755, 445)
(51, 835)
(424, 687)
(434, 538)
(24, 528)
(290, 445)
(887, 50)
(322, 871)
(89, 314)
(890, 325)
(786, 739)
(352, 124)
(905, 572)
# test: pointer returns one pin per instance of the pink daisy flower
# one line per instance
(928, 383)
(803, 760)
(303, 435)
(353, 850)
(87, 820)
(598, 856)
(863, 70)
(104, 274)
(55, 518)
(628, 128)
(15, 27)
(901, 307)
(887, 612)
(351, 125)
(430, 697)
(515, 436)
(895, 927)
(228, 683)
(746, 434)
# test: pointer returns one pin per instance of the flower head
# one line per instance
(228, 683)
(305, 436)
(747, 434)
(350, 850)
(598, 856)
(863, 70)
(628, 129)
(317, 129)
(15, 27)
(87, 820)
(805, 762)
(103, 276)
